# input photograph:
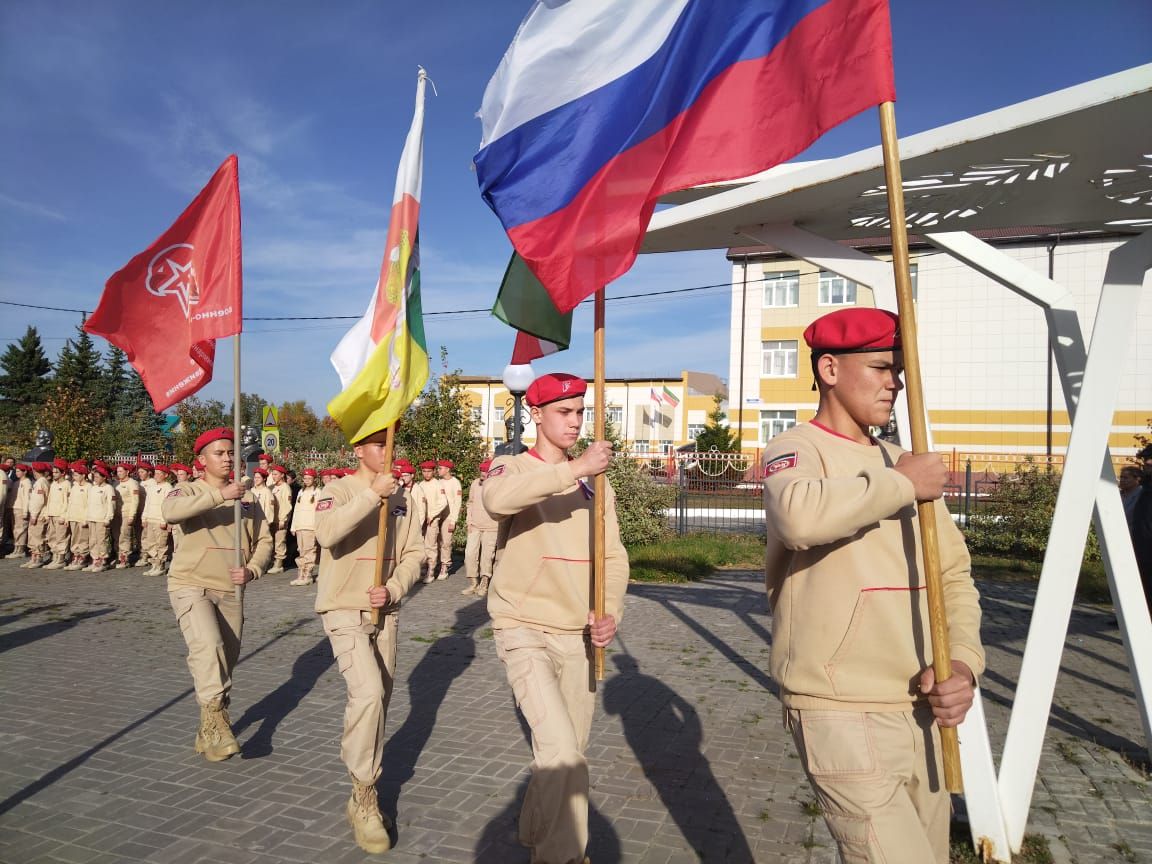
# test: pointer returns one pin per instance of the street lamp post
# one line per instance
(517, 378)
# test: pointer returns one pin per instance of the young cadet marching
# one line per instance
(101, 512)
(851, 642)
(347, 526)
(37, 520)
(432, 509)
(128, 506)
(78, 515)
(480, 549)
(153, 528)
(262, 492)
(540, 602)
(57, 515)
(21, 494)
(304, 527)
(453, 494)
(202, 581)
(283, 495)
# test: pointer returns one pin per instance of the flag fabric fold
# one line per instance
(522, 303)
(383, 360)
(599, 108)
(166, 307)
(670, 397)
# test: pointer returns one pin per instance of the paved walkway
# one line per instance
(689, 761)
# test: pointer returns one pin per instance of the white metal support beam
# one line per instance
(1090, 384)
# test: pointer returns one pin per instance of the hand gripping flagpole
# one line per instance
(237, 461)
(599, 483)
(937, 614)
(382, 529)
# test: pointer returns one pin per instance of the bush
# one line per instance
(1017, 520)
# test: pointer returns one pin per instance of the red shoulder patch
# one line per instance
(499, 469)
(175, 492)
(326, 504)
(780, 463)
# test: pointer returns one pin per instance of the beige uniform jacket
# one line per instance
(282, 492)
(23, 494)
(844, 578)
(154, 501)
(207, 551)
(128, 496)
(479, 518)
(347, 524)
(543, 576)
(58, 499)
(304, 513)
(38, 497)
(267, 502)
(101, 504)
(454, 492)
(433, 501)
(78, 502)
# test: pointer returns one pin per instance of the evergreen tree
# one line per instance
(145, 427)
(717, 435)
(196, 416)
(78, 367)
(24, 383)
(113, 381)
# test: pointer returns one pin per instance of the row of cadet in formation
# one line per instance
(77, 515)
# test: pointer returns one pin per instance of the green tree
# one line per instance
(299, 426)
(78, 425)
(717, 435)
(143, 425)
(79, 368)
(113, 380)
(196, 415)
(24, 384)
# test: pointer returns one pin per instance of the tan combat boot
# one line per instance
(214, 738)
(277, 567)
(472, 586)
(32, 562)
(482, 588)
(364, 816)
(57, 563)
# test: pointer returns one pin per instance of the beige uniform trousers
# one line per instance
(38, 536)
(479, 553)
(550, 677)
(306, 546)
(80, 540)
(432, 545)
(212, 623)
(20, 528)
(279, 545)
(98, 540)
(878, 777)
(58, 537)
(126, 539)
(366, 656)
(153, 543)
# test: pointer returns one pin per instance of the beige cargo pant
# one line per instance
(38, 535)
(366, 656)
(58, 537)
(878, 777)
(20, 528)
(211, 623)
(126, 538)
(80, 540)
(279, 545)
(432, 543)
(479, 553)
(98, 540)
(153, 543)
(550, 678)
(306, 547)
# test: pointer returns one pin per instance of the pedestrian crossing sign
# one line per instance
(271, 421)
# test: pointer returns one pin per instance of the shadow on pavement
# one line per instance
(8, 641)
(24, 613)
(270, 711)
(665, 733)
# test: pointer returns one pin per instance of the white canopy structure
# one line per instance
(1078, 159)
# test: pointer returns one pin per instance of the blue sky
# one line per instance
(114, 114)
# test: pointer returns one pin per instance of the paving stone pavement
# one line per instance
(688, 758)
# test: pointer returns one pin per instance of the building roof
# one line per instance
(1076, 159)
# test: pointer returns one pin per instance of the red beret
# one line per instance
(147, 466)
(445, 463)
(428, 464)
(126, 467)
(279, 468)
(308, 472)
(99, 462)
(101, 470)
(79, 465)
(61, 463)
(22, 467)
(163, 468)
(177, 466)
(486, 464)
(221, 433)
(553, 387)
(854, 331)
(263, 472)
(198, 463)
(41, 466)
(264, 456)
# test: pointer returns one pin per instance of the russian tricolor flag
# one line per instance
(599, 107)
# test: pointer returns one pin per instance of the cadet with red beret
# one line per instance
(846, 591)
(202, 580)
(57, 515)
(128, 508)
(37, 523)
(480, 547)
(304, 527)
(432, 507)
(454, 495)
(78, 515)
(347, 527)
(542, 610)
(21, 495)
(283, 495)
(101, 512)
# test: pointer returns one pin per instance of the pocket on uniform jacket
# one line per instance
(560, 584)
(863, 663)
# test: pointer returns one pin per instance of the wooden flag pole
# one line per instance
(382, 530)
(237, 461)
(937, 614)
(600, 482)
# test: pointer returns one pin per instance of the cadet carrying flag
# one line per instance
(167, 307)
(383, 361)
(598, 108)
(523, 303)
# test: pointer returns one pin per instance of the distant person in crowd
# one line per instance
(128, 512)
(59, 533)
(277, 483)
(20, 493)
(432, 507)
(37, 519)
(304, 527)
(480, 548)
(78, 516)
(101, 512)
(454, 495)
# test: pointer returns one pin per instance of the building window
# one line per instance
(641, 447)
(836, 290)
(779, 359)
(666, 447)
(694, 430)
(614, 414)
(782, 289)
(772, 423)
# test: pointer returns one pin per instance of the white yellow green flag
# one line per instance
(383, 360)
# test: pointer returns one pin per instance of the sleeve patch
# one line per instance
(780, 463)
(326, 504)
(497, 470)
(175, 493)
